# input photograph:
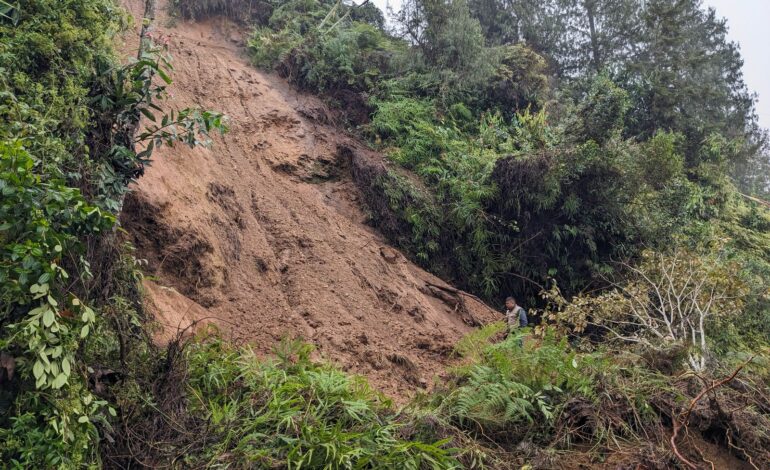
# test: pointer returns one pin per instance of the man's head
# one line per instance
(510, 303)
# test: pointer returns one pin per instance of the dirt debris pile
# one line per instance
(266, 231)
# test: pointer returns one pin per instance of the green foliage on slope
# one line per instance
(549, 150)
(289, 411)
(520, 165)
(534, 172)
(69, 112)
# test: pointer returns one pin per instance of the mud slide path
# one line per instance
(265, 231)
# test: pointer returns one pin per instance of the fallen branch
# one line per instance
(756, 199)
(459, 293)
(681, 421)
(453, 290)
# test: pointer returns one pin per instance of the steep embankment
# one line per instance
(266, 234)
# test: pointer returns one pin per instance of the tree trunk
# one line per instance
(147, 23)
(590, 7)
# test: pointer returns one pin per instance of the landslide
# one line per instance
(265, 233)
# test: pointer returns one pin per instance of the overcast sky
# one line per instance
(749, 23)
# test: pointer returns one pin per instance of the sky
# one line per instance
(748, 22)
(749, 26)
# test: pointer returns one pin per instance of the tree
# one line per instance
(450, 56)
(672, 56)
(601, 113)
(687, 78)
(666, 298)
(578, 36)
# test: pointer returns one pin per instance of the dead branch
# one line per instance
(681, 421)
(756, 199)
(453, 290)
(460, 294)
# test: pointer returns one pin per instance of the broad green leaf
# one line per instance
(37, 369)
(59, 381)
(164, 76)
(48, 318)
(147, 114)
(38, 310)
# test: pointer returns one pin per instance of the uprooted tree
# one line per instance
(666, 298)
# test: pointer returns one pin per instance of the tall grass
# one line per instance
(289, 411)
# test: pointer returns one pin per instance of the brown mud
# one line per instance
(265, 233)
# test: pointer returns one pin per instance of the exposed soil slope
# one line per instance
(266, 233)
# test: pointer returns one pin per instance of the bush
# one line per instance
(601, 113)
(541, 390)
(240, 10)
(660, 161)
(50, 56)
(284, 411)
(519, 81)
(269, 48)
(69, 113)
(318, 47)
(668, 298)
(411, 219)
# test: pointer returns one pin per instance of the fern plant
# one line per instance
(293, 412)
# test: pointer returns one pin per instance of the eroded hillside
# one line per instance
(265, 234)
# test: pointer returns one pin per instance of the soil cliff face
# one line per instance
(266, 234)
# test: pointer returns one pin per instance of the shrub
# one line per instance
(507, 385)
(50, 53)
(601, 113)
(660, 161)
(289, 411)
(519, 80)
(318, 47)
(540, 389)
(667, 298)
(269, 48)
(240, 10)
(417, 219)
(67, 155)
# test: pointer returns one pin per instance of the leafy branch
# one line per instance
(10, 11)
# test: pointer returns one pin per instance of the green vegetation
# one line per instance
(67, 154)
(599, 159)
(292, 412)
(240, 411)
(541, 163)
(538, 400)
(604, 162)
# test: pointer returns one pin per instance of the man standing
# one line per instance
(515, 314)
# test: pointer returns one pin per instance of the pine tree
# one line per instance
(687, 77)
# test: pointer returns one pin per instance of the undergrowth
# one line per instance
(535, 398)
(514, 186)
(525, 387)
(204, 403)
(69, 115)
(291, 411)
